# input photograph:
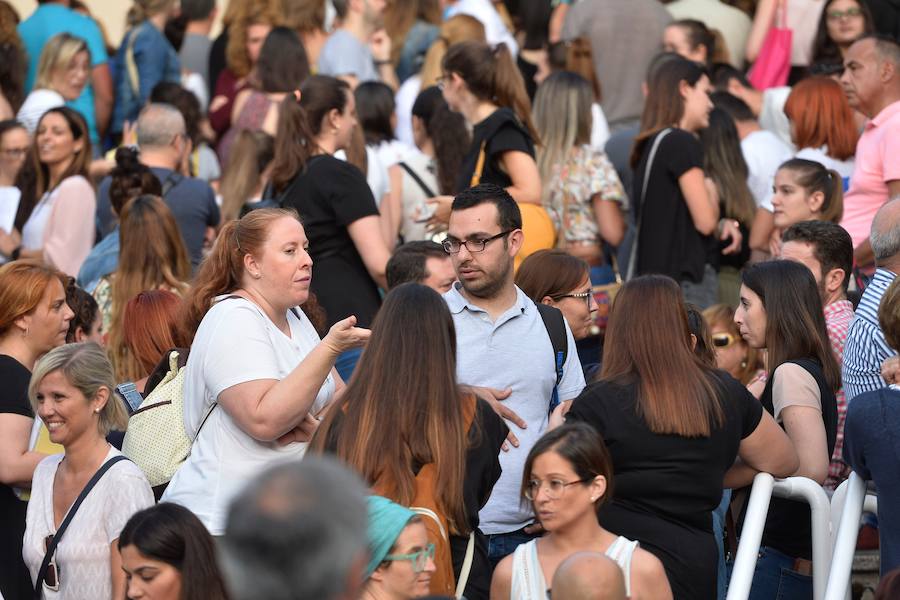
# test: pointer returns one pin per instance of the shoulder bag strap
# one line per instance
(51, 549)
(415, 176)
(632, 259)
(554, 322)
(479, 166)
(172, 179)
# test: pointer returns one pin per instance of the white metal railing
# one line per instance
(847, 505)
(794, 488)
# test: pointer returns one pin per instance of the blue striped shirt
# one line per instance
(866, 347)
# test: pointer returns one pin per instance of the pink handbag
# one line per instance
(773, 65)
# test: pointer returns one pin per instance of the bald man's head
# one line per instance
(588, 576)
(885, 235)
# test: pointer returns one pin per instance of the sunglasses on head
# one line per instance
(723, 340)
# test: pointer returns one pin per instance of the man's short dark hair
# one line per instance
(341, 7)
(723, 73)
(736, 108)
(407, 264)
(197, 10)
(507, 210)
(831, 244)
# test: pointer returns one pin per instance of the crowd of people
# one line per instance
(395, 299)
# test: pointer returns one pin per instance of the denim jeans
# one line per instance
(501, 545)
(775, 579)
(718, 518)
(346, 362)
(705, 293)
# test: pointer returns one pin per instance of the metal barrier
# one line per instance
(794, 488)
(847, 505)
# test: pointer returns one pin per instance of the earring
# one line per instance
(97, 410)
(336, 131)
(257, 275)
(744, 364)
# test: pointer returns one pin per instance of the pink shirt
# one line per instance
(877, 163)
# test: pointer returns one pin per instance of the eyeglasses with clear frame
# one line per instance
(837, 15)
(51, 578)
(556, 488)
(418, 560)
(452, 246)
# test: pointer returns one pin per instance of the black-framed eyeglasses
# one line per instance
(453, 246)
(51, 578)
(555, 487)
(586, 296)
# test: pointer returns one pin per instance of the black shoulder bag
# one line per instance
(51, 549)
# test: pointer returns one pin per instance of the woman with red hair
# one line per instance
(822, 125)
(149, 331)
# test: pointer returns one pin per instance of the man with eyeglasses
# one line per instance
(503, 348)
(827, 251)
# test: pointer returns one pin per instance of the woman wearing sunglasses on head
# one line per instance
(401, 559)
(733, 354)
(567, 477)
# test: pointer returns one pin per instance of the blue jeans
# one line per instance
(501, 545)
(775, 579)
(346, 362)
(718, 517)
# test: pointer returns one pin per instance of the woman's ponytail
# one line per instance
(509, 88)
(833, 207)
(293, 142)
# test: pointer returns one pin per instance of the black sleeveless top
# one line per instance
(788, 528)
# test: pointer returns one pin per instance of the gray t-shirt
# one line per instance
(194, 55)
(343, 54)
(512, 352)
(624, 37)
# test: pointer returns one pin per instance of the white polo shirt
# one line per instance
(512, 352)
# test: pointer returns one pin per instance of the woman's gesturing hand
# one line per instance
(345, 335)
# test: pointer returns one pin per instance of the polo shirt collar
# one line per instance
(456, 302)
(887, 113)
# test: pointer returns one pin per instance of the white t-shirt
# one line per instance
(235, 343)
(403, 104)
(36, 104)
(820, 155)
(763, 152)
(83, 553)
(495, 30)
(600, 128)
(771, 114)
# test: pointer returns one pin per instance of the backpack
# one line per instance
(155, 439)
(443, 581)
(556, 329)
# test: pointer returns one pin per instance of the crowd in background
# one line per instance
(548, 283)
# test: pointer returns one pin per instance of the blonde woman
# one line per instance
(63, 71)
(71, 390)
(151, 256)
(581, 190)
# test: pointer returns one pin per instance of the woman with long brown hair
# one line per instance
(258, 374)
(58, 210)
(333, 200)
(407, 377)
(482, 83)
(674, 426)
(781, 311)
(675, 206)
(151, 256)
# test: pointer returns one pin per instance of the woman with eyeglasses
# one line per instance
(733, 354)
(781, 311)
(567, 477)
(673, 426)
(71, 390)
(842, 23)
(401, 559)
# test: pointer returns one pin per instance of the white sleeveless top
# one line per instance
(528, 578)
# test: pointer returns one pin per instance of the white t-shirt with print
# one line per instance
(235, 343)
(82, 555)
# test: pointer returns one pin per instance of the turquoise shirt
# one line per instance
(45, 22)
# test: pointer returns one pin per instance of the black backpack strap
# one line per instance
(556, 329)
(415, 176)
(171, 180)
(51, 549)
